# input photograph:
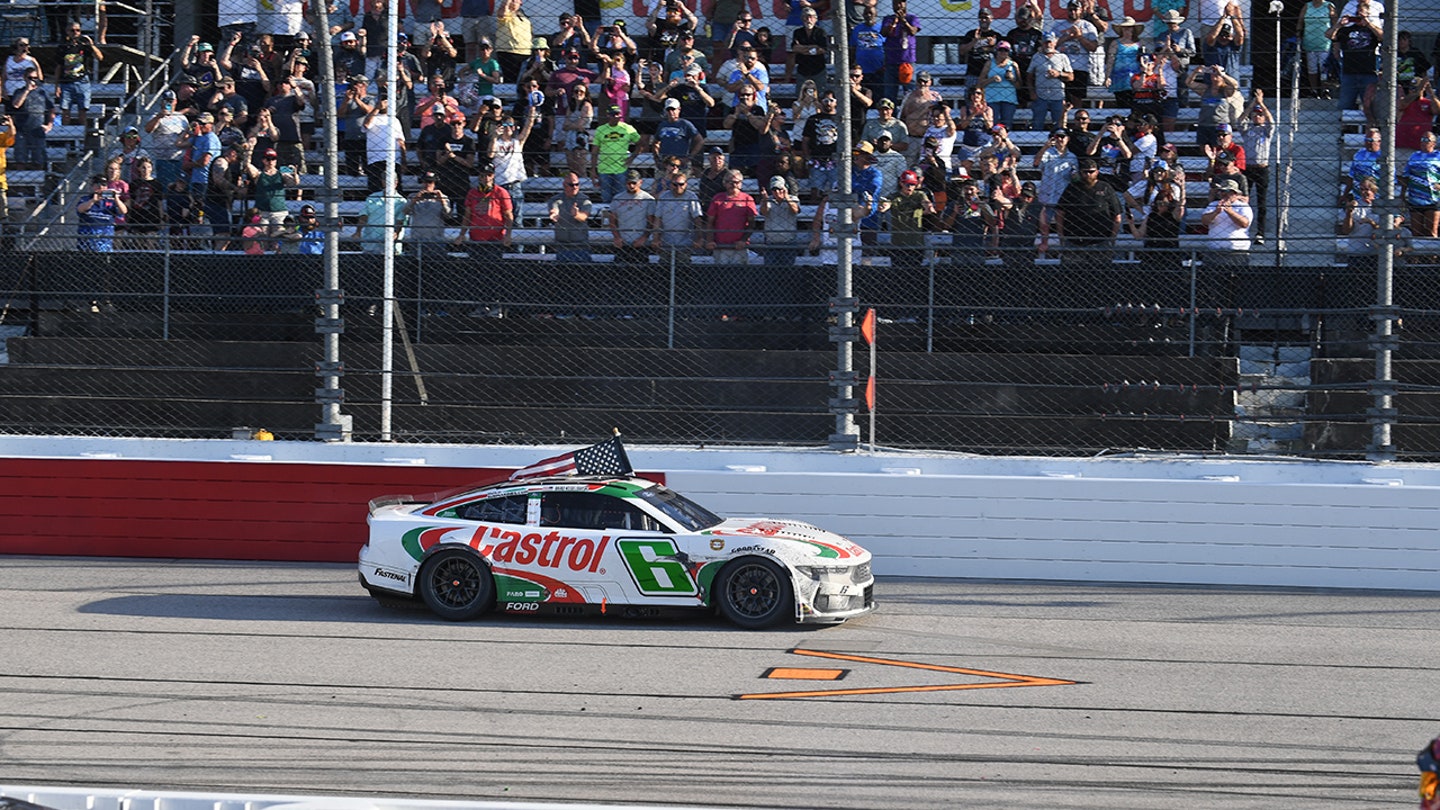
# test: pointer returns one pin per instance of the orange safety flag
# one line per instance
(1428, 782)
(867, 327)
(870, 394)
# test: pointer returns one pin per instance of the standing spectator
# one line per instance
(885, 123)
(723, 16)
(908, 207)
(1026, 40)
(284, 18)
(424, 15)
(477, 23)
(513, 37)
(676, 137)
(1358, 223)
(355, 107)
(570, 214)
(1149, 92)
(1225, 39)
(348, 59)
(866, 185)
(7, 140)
(128, 151)
(166, 130)
(18, 64)
(751, 130)
(507, 153)
(383, 138)
(222, 188)
(439, 105)
(1122, 60)
(1225, 144)
(142, 219)
(729, 220)
(573, 131)
(631, 216)
(611, 153)
(1077, 39)
(693, 95)
(1428, 761)
(489, 216)
(1422, 188)
(1176, 46)
(809, 52)
(1359, 40)
(202, 147)
(615, 83)
(1257, 139)
(371, 28)
(285, 105)
(781, 213)
(1001, 79)
(890, 163)
(867, 44)
(669, 22)
(1159, 214)
(977, 46)
(237, 17)
(915, 109)
(199, 64)
(899, 29)
(72, 75)
(1220, 102)
(1088, 218)
(1226, 220)
(1315, 43)
(269, 183)
(232, 103)
(372, 231)
(1412, 64)
(572, 37)
(752, 76)
(682, 56)
(450, 153)
(426, 211)
(33, 115)
(1418, 108)
(818, 145)
(1049, 74)
(712, 177)
(742, 34)
(251, 79)
(485, 67)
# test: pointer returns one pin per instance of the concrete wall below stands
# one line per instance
(1163, 519)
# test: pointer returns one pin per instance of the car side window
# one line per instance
(589, 510)
(510, 509)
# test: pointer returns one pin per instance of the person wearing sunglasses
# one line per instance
(570, 216)
(678, 219)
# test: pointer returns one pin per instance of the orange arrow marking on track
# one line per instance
(1003, 680)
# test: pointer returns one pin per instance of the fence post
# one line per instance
(1382, 414)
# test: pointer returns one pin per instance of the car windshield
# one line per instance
(690, 515)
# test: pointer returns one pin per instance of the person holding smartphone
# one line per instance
(96, 213)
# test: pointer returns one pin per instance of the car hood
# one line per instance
(791, 537)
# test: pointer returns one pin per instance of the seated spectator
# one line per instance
(1365, 163)
(1358, 223)
(570, 214)
(886, 123)
(252, 233)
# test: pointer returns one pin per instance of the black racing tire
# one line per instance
(755, 592)
(456, 585)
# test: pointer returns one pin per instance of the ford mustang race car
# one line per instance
(607, 543)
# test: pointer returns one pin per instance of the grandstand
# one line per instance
(990, 350)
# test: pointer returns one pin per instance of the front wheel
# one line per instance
(457, 585)
(755, 593)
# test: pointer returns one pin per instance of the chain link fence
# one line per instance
(1001, 327)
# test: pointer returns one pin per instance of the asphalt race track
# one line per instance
(284, 678)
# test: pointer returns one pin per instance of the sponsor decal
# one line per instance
(655, 567)
(717, 544)
(385, 574)
(521, 607)
(549, 550)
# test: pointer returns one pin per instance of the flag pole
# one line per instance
(867, 331)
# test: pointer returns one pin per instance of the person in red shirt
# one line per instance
(1225, 142)
(489, 214)
(729, 220)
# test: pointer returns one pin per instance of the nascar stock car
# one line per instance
(575, 544)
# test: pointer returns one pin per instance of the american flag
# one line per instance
(605, 458)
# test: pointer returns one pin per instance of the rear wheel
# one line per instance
(755, 592)
(457, 585)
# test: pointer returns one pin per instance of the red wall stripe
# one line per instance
(203, 509)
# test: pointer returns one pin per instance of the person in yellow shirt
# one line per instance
(7, 140)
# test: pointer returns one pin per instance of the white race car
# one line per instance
(607, 544)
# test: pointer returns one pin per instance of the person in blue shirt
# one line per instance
(96, 215)
(866, 182)
(1366, 162)
(1422, 188)
(868, 45)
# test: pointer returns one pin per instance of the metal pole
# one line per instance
(1382, 414)
(847, 435)
(387, 305)
(333, 426)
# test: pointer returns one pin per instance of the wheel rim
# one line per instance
(754, 591)
(456, 583)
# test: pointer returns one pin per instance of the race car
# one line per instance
(607, 544)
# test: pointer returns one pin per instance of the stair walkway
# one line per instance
(1312, 182)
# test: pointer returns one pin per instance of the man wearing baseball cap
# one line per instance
(268, 183)
(489, 215)
(674, 136)
(908, 207)
(611, 151)
(631, 219)
(1227, 223)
